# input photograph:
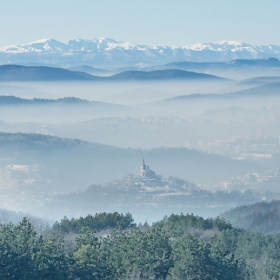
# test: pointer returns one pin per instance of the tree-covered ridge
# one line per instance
(173, 248)
(182, 224)
(262, 217)
(13, 100)
(98, 222)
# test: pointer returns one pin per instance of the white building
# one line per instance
(146, 172)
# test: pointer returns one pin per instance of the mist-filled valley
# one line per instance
(63, 132)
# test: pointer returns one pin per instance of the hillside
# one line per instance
(196, 97)
(61, 110)
(260, 91)
(81, 163)
(261, 217)
(146, 199)
(12, 73)
(164, 75)
(238, 69)
(266, 89)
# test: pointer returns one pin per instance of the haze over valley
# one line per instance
(214, 125)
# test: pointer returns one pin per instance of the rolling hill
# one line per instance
(61, 110)
(269, 89)
(169, 74)
(264, 90)
(12, 73)
(238, 69)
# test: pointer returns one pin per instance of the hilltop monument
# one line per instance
(146, 172)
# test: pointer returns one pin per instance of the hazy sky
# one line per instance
(162, 22)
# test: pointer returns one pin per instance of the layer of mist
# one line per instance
(59, 139)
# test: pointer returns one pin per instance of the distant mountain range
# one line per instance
(105, 52)
(43, 73)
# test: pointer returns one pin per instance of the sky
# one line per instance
(153, 22)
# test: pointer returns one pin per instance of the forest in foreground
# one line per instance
(112, 246)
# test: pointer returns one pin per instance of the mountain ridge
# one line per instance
(106, 51)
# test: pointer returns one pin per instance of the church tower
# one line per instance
(143, 168)
(145, 171)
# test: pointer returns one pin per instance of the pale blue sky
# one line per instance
(162, 22)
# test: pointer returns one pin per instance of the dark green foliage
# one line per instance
(195, 260)
(181, 224)
(90, 260)
(169, 249)
(24, 255)
(97, 222)
(146, 255)
(191, 258)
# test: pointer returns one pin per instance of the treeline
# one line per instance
(178, 247)
(13, 100)
(97, 222)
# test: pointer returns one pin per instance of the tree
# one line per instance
(191, 259)
(90, 260)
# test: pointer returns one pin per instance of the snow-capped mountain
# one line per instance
(108, 52)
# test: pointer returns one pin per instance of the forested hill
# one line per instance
(261, 217)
